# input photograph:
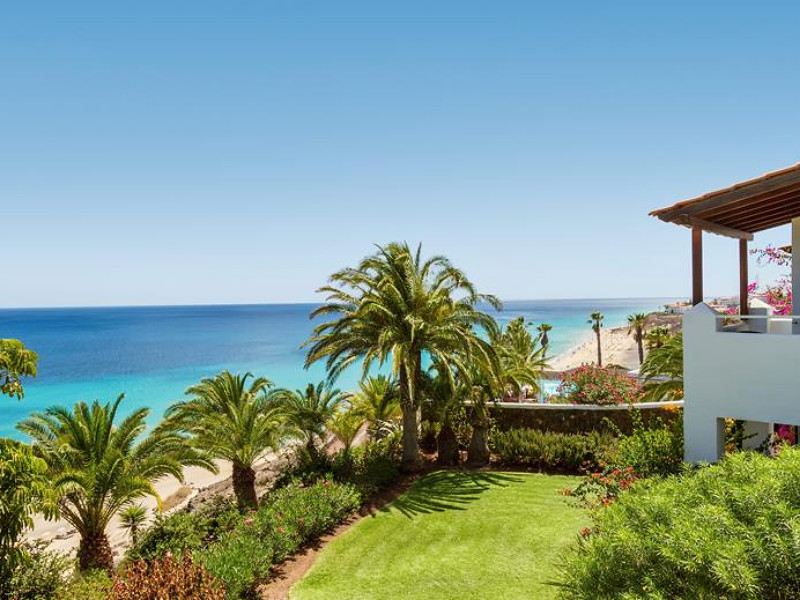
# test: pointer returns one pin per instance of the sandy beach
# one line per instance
(617, 345)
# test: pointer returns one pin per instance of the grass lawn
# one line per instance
(453, 535)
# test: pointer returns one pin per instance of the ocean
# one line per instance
(154, 353)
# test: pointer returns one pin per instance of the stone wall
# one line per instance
(578, 419)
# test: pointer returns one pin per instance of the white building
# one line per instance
(747, 367)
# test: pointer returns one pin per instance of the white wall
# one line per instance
(749, 376)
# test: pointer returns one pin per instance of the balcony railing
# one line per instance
(763, 324)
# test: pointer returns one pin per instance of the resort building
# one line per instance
(745, 366)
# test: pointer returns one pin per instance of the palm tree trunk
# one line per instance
(94, 552)
(599, 350)
(244, 487)
(478, 449)
(447, 446)
(410, 461)
(640, 344)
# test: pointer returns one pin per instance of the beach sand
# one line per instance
(618, 347)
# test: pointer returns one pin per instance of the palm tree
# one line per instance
(544, 338)
(636, 324)
(100, 467)
(445, 396)
(521, 357)
(657, 337)
(345, 425)
(132, 519)
(596, 320)
(307, 412)
(395, 306)
(230, 418)
(16, 361)
(663, 370)
(378, 402)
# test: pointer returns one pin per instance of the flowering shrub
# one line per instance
(544, 450)
(724, 531)
(167, 578)
(589, 384)
(239, 550)
(601, 488)
(779, 294)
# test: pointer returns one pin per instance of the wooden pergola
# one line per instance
(737, 212)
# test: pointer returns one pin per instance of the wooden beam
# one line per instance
(742, 221)
(744, 306)
(697, 266)
(756, 203)
(735, 194)
(696, 223)
(771, 221)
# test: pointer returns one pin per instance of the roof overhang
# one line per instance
(742, 209)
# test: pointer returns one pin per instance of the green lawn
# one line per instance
(458, 535)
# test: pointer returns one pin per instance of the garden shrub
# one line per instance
(548, 451)
(240, 559)
(90, 585)
(653, 450)
(589, 384)
(724, 531)
(186, 530)
(39, 574)
(167, 577)
(369, 468)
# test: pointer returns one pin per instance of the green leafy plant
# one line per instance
(345, 425)
(728, 530)
(307, 412)
(16, 362)
(662, 370)
(38, 574)
(24, 490)
(548, 451)
(655, 449)
(132, 519)
(378, 402)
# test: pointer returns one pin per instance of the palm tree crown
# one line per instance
(378, 401)
(230, 417)
(395, 306)
(100, 467)
(306, 412)
(522, 359)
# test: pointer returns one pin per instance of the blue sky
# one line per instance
(204, 152)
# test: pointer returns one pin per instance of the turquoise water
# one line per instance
(153, 353)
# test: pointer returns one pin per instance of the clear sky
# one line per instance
(204, 152)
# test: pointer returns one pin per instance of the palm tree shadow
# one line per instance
(447, 490)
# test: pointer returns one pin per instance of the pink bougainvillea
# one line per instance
(779, 294)
(590, 384)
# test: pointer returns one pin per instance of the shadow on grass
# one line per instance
(448, 490)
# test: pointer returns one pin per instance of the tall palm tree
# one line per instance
(544, 338)
(396, 306)
(132, 519)
(345, 425)
(657, 337)
(16, 361)
(636, 325)
(596, 320)
(378, 402)
(100, 467)
(306, 412)
(230, 417)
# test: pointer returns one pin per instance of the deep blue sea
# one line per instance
(153, 353)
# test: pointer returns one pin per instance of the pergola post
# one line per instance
(697, 266)
(744, 305)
